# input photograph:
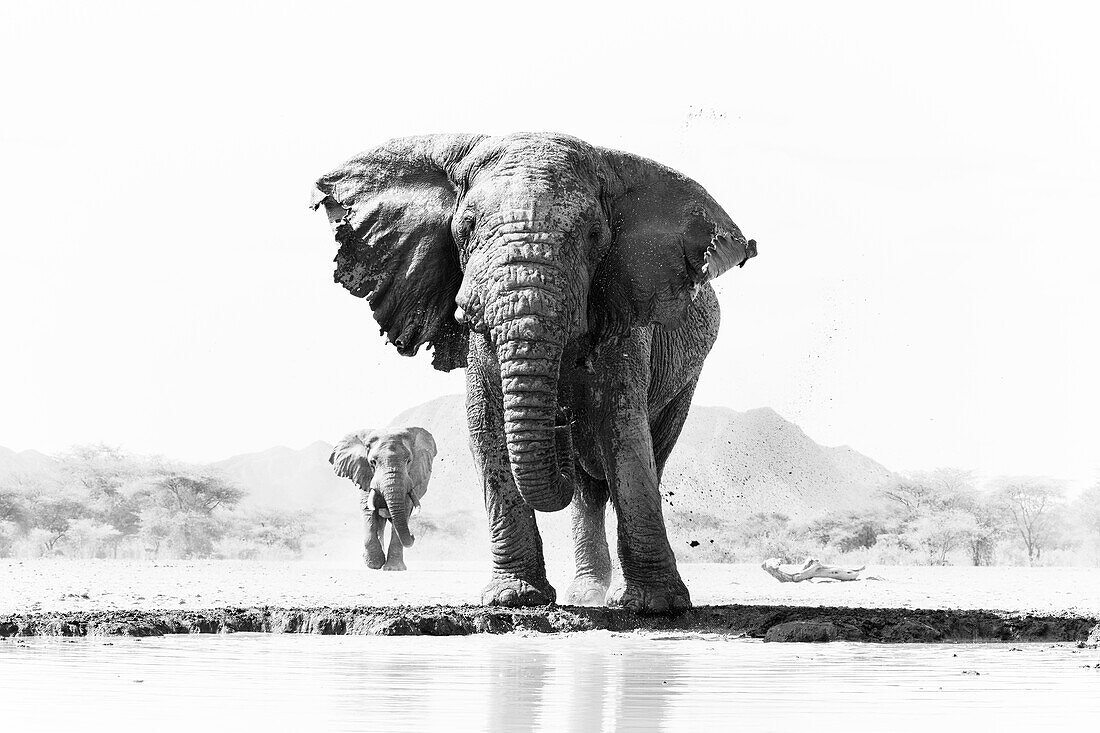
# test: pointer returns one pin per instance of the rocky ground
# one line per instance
(78, 597)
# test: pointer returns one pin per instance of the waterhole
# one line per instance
(596, 681)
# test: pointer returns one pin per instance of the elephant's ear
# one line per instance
(420, 471)
(349, 458)
(390, 209)
(669, 238)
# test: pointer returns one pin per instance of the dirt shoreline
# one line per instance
(770, 623)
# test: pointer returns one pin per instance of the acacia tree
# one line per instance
(15, 519)
(55, 515)
(14, 509)
(88, 537)
(196, 492)
(99, 469)
(154, 529)
(1032, 503)
(912, 494)
(930, 506)
(991, 523)
(922, 492)
(105, 478)
(941, 532)
(180, 511)
(950, 481)
(279, 529)
(846, 532)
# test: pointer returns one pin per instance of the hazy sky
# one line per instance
(923, 184)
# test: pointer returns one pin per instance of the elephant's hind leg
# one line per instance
(593, 560)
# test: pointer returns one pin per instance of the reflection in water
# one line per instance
(644, 683)
(579, 687)
(590, 683)
(517, 678)
(585, 682)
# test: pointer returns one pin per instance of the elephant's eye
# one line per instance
(465, 227)
(594, 235)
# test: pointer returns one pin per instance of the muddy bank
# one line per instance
(771, 623)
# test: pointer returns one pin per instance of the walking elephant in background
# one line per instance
(391, 468)
(571, 281)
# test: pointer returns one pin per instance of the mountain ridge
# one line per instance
(726, 466)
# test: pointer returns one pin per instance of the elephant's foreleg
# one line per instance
(651, 582)
(372, 547)
(593, 560)
(395, 559)
(519, 570)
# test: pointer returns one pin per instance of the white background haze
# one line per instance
(923, 183)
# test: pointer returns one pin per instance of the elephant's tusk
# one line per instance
(375, 501)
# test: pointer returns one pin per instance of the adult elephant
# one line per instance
(572, 283)
(391, 468)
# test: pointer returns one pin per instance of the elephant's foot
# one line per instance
(668, 595)
(586, 590)
(511, 591)
(394, 565)
(374, 556)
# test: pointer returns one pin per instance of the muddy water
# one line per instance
(597, 681)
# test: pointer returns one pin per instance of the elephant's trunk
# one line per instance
(522, 290)
(394, 487)
(528, 322)
(540, 445)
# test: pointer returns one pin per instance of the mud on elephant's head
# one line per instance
(391, 467)
(546, 245)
